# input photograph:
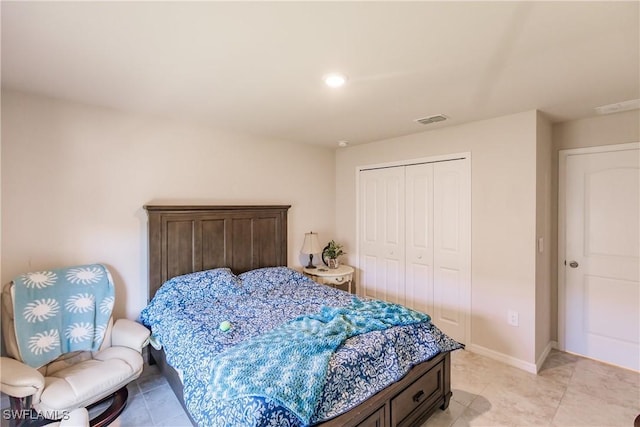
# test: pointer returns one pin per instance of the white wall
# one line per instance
(75, 179)
(503, 169)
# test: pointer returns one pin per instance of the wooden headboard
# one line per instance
(184, 239)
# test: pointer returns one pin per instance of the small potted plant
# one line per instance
(331, 253)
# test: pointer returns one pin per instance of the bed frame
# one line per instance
(188, 238)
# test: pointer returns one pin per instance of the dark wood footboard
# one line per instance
(408, 402)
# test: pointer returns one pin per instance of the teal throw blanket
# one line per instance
(289, 363)
(60, 311)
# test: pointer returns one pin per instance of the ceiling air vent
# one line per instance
(632, 104)
(431, 119)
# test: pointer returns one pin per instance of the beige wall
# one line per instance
(75, 178)
(544, 280)
(600, 130)
(503, 169)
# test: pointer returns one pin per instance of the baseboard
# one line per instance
(504, 358)
(512, 361)
(545, 353)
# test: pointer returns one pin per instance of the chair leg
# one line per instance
(113, 411)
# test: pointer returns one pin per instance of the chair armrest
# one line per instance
(18, 379)
(127, 333)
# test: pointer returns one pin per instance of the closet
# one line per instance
(414, 238)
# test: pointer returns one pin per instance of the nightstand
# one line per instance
(331, 276)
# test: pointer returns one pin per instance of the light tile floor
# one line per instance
(570, 391)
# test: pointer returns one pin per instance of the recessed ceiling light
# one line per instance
(343, 143)
(335, 79)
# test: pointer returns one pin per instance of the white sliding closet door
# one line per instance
(451, 253)
(415, 239)
(419, 237)
(382, 233)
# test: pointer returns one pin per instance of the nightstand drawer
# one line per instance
(336, 277)
(335, 280)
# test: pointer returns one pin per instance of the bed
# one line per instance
(231, 256)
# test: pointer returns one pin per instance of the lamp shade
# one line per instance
(311, 244)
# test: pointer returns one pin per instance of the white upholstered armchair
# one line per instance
(75, 379)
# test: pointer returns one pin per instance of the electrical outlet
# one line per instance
(512, 318)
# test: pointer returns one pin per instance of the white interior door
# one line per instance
(602, 239)
(451, 247)
(382, 210)
(419, 237)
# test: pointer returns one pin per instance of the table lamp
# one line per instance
(311, 246)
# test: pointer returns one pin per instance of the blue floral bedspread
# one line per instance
(186, 312)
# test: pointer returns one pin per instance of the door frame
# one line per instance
(466, 156)
(563, 155)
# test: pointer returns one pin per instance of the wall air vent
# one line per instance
(431, 119)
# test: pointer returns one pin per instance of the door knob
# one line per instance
(573, 264)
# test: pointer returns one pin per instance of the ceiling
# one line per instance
(256, 67)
